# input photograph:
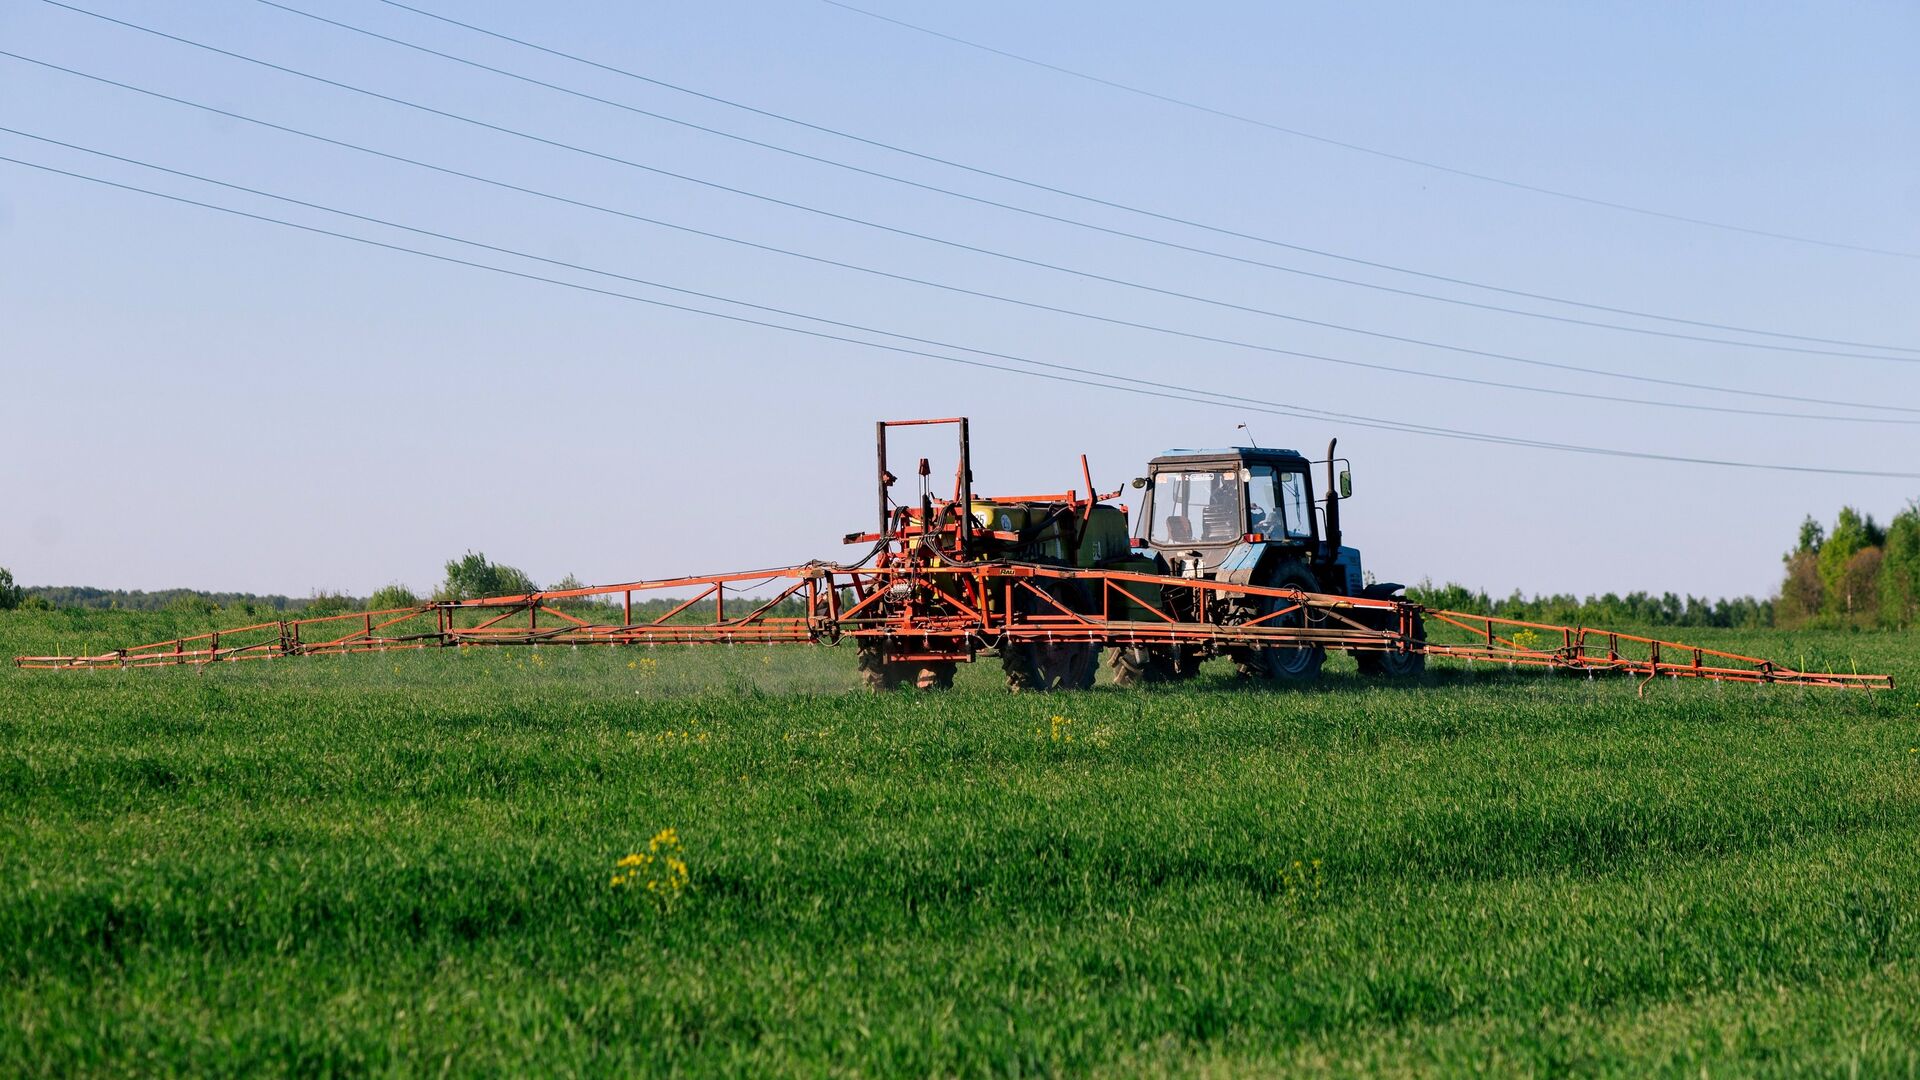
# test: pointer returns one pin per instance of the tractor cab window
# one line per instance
(1277, 504)
(1263, 501)
(1199, 507)
(1299, 509)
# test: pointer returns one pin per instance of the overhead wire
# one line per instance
(1098, 201)
(1361, 148)
(895, 230)
(1078, 223)
(1347, 362)
(1052, 371)
(1298, 412)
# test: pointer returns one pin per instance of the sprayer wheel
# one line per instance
(1042, 666)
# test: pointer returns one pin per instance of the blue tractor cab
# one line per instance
(1240, 513)
(1247, 515)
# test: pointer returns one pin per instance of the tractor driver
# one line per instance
(1263, 509)
(1262, 520)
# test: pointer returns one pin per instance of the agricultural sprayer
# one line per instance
(1234, 557)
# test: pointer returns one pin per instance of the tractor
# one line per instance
(1246, 515)
(1236, 516)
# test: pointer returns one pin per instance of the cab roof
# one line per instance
(1244, 453)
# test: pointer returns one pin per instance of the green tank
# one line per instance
(1046, 533)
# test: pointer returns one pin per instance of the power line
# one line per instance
(920, 281)
(1298, 412)
(1095, 200)
(900, 277)
(954, 244)
(1098, 379)
(1388, 155)
(1075, 222)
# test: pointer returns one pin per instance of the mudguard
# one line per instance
(1241, 564)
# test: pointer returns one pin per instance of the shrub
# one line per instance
(391, 596)
(10, 594)
(328, 603)
(472, 576)
(242, 611)
(186, 602)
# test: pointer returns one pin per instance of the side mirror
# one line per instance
(1346, 484)
(1139, 481)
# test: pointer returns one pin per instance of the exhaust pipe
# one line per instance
(1333, 502)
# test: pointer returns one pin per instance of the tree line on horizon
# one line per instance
(1610, 609)
(1858, 574)
(468, 577)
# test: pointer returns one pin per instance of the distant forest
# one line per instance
(84, 596)
(1856, 574)
(470, 576)
(253, 605)
(1633, 609)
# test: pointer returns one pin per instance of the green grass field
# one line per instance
(403, 863)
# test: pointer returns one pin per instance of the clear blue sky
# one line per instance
(195, 399)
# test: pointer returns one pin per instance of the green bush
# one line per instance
(391, 596)
(328, 603)
(472, 576)
(10, 594)
(189, 603)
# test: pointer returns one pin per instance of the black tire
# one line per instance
(1137, 666)
(1043, 666)
(1140, 665)
(936, 676)
(878, 673)
(1392, 663)
(1289, 664)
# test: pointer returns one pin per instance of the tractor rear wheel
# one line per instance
(1050, 665)
(1392, 663)
(1282, 663)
